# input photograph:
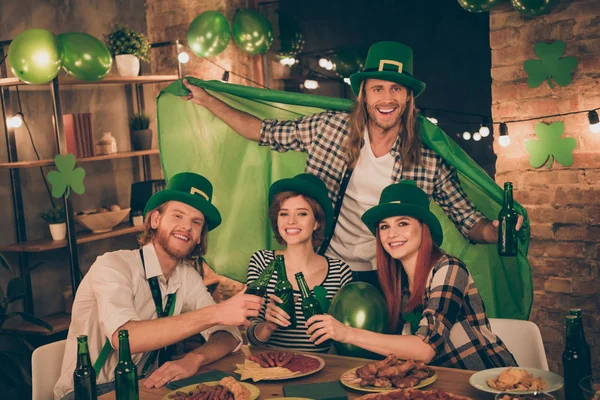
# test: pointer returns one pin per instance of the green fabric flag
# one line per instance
(193, 139)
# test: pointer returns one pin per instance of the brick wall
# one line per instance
(563, 202)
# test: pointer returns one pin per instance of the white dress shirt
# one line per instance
(115, 291)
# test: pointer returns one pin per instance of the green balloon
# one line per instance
(532, 7)
(348, 61)
(86, 58)
(35, 56)
(252, 32)
(359, 305)
(290, 36)
(208, 34)
(478, 6)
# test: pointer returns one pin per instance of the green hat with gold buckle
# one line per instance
(389, 61)
(191, 189)
(404, 199)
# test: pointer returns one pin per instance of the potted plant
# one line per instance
(141, 134)
(55, 217)
(128, 47)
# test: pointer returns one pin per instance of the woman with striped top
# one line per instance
(429, 292)
(301, 215)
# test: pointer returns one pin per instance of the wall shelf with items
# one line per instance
(46, 163)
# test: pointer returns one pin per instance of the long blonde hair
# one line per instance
(410, 145)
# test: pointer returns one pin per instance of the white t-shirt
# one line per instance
(116, 291)
(352, 241)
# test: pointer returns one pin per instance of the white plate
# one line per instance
(479, 380)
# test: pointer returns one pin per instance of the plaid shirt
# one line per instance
(322, 136)
(454, 322)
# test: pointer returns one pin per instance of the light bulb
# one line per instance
(347, 80)
(433, 120)
(183, 57)
(466, 135)
(484, 131)
(323, 62)
(504, 141)
(594, 121)
(477, 136)
(15, 121)
(311, 84)
(595, 128)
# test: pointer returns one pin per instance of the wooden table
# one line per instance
(449, 379)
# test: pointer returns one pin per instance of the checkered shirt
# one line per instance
(454, 323)
(322, 137)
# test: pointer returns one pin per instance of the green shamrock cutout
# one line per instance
(413, 318)
(320, 294)
(550, 146)
(550, 65)
(67, 177)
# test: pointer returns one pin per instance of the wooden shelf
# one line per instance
(109, 80)
(60, 322)
(35, 246)
(45, 163)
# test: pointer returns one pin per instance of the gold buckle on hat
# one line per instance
(392, 62)
(395, 202)
(193, 190)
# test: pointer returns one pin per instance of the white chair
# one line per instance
(523, 339)
(46, 362)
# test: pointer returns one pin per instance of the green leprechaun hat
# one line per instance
(191, 189)
(404, 199)
(389, 61)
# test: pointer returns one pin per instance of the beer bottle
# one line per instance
(126, 382)
(572, 361)
(285, 291)
(259, 286)
(84, 377)
(507, 228)
(310, 305)
(585, 348)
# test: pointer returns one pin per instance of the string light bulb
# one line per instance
(594, 121)
(504, 139)
(347, 80)
(477, 136)
(311, 84)
(16, 121)
(288, 61)
(466, 135)
(183, 57)
(433, 120)
(325, 63)
(484, 130)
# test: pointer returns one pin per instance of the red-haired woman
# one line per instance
(450, 328)
(301, 216)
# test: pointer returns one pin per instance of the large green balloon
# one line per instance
(478, 6)
(35, 56)
(208, 34)
(290, 36)
(359, 305)
(252, 32)
(532, 7)
(348, 61)
(86, 58)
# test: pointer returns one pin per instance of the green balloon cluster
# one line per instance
(35, 56)
(208, 34)
(252, 32)
(359, 305)
(532, 7)
(348, 61)
(290, 36)
(478, 6)
(85, 57)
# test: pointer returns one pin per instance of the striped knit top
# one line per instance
(338, 275)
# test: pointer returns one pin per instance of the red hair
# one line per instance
(390, 277)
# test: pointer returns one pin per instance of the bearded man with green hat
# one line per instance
(357, 154)
(157, 295)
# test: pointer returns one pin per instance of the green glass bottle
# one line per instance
(259, 286)
(84, 377)
(585, 348)
(310, 305)
(126, 380)
(573, 360)
(285, 291)
(507, 228)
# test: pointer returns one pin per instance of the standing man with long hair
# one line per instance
(357, 155)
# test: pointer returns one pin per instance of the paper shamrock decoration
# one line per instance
(550, 66)
(67, 177)
(320, 294)
(550, 146)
